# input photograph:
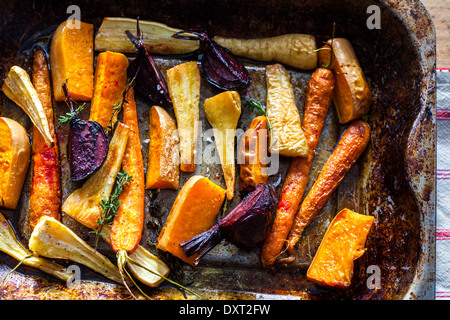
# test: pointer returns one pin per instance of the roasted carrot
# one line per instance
(318, 98)
(45, 196)
(127, 226)
(350, 147)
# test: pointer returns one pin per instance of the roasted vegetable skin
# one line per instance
(343, 243)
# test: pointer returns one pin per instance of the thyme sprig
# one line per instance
(70, 115)
(111, 206)
(255, 105)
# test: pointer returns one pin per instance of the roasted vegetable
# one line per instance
(72, 60)
(252, 154)
(246, 225)
(45, 194)
(184, 88)
(127, 226)
(84, 203)
(287, 137)
(163, 170)
(223, 111)
(19, 89)
(350, 147)
(343, 243)
(296, 50)
(51, 239)
(352, 97)
(318, 98)
(88, 143)
(10, 245)
(110, 82)
(219, 66)
(15, 150)
(149, 79)
(194, 211)
(157, 37)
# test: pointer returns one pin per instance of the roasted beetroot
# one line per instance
(220, 67)
(246, 225)
(88, 144)
(149, 79)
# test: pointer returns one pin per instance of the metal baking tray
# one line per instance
(394, 180)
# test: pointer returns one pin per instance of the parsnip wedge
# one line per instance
(51, 239)
(223, 112)
(183, 81)
(10, 245)
(157, 37)
(19, 89)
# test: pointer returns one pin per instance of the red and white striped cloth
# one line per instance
(443, 184)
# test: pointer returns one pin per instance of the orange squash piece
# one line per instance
(194, 211)
(163, 169)
(15, 152)
(343, 243)
(109, 86)
(72, 60)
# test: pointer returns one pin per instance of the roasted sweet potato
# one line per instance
(183, 82)
(109, 86)
(15, 151)
(253, 149)
(343, 243)
(72, 60)
(163, 168)
(194, 211)
(352, 97)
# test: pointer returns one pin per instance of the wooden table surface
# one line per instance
(440, 13)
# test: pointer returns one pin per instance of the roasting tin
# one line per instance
(394, 180)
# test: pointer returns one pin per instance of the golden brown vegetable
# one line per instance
(45, 194)
(164, 156)
(194, 211)
(157, 37)
(15, 151)
(343, 243)
(296, 50)
(352, 97)
(72, 61)
(223, 111)
(287, 137)
(109, 85)
(127, 226)
(351, 145)
(318, 98)
(10, 245)
(84, 203)
(183, 82)
(18, 88)
(52, 239)
(253, 150)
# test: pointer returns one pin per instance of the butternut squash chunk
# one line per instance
(194, 211)
(223, 112)
(15, 152)
(183, 82)
(352, 96)
(164, 155)
(109, 85)
(343, 243)
(287, 136)
(84, 203)
(72, 61)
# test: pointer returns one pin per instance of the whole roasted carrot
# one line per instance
(127, 226)
(45, 196)
(318, 98)
(350, 147)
